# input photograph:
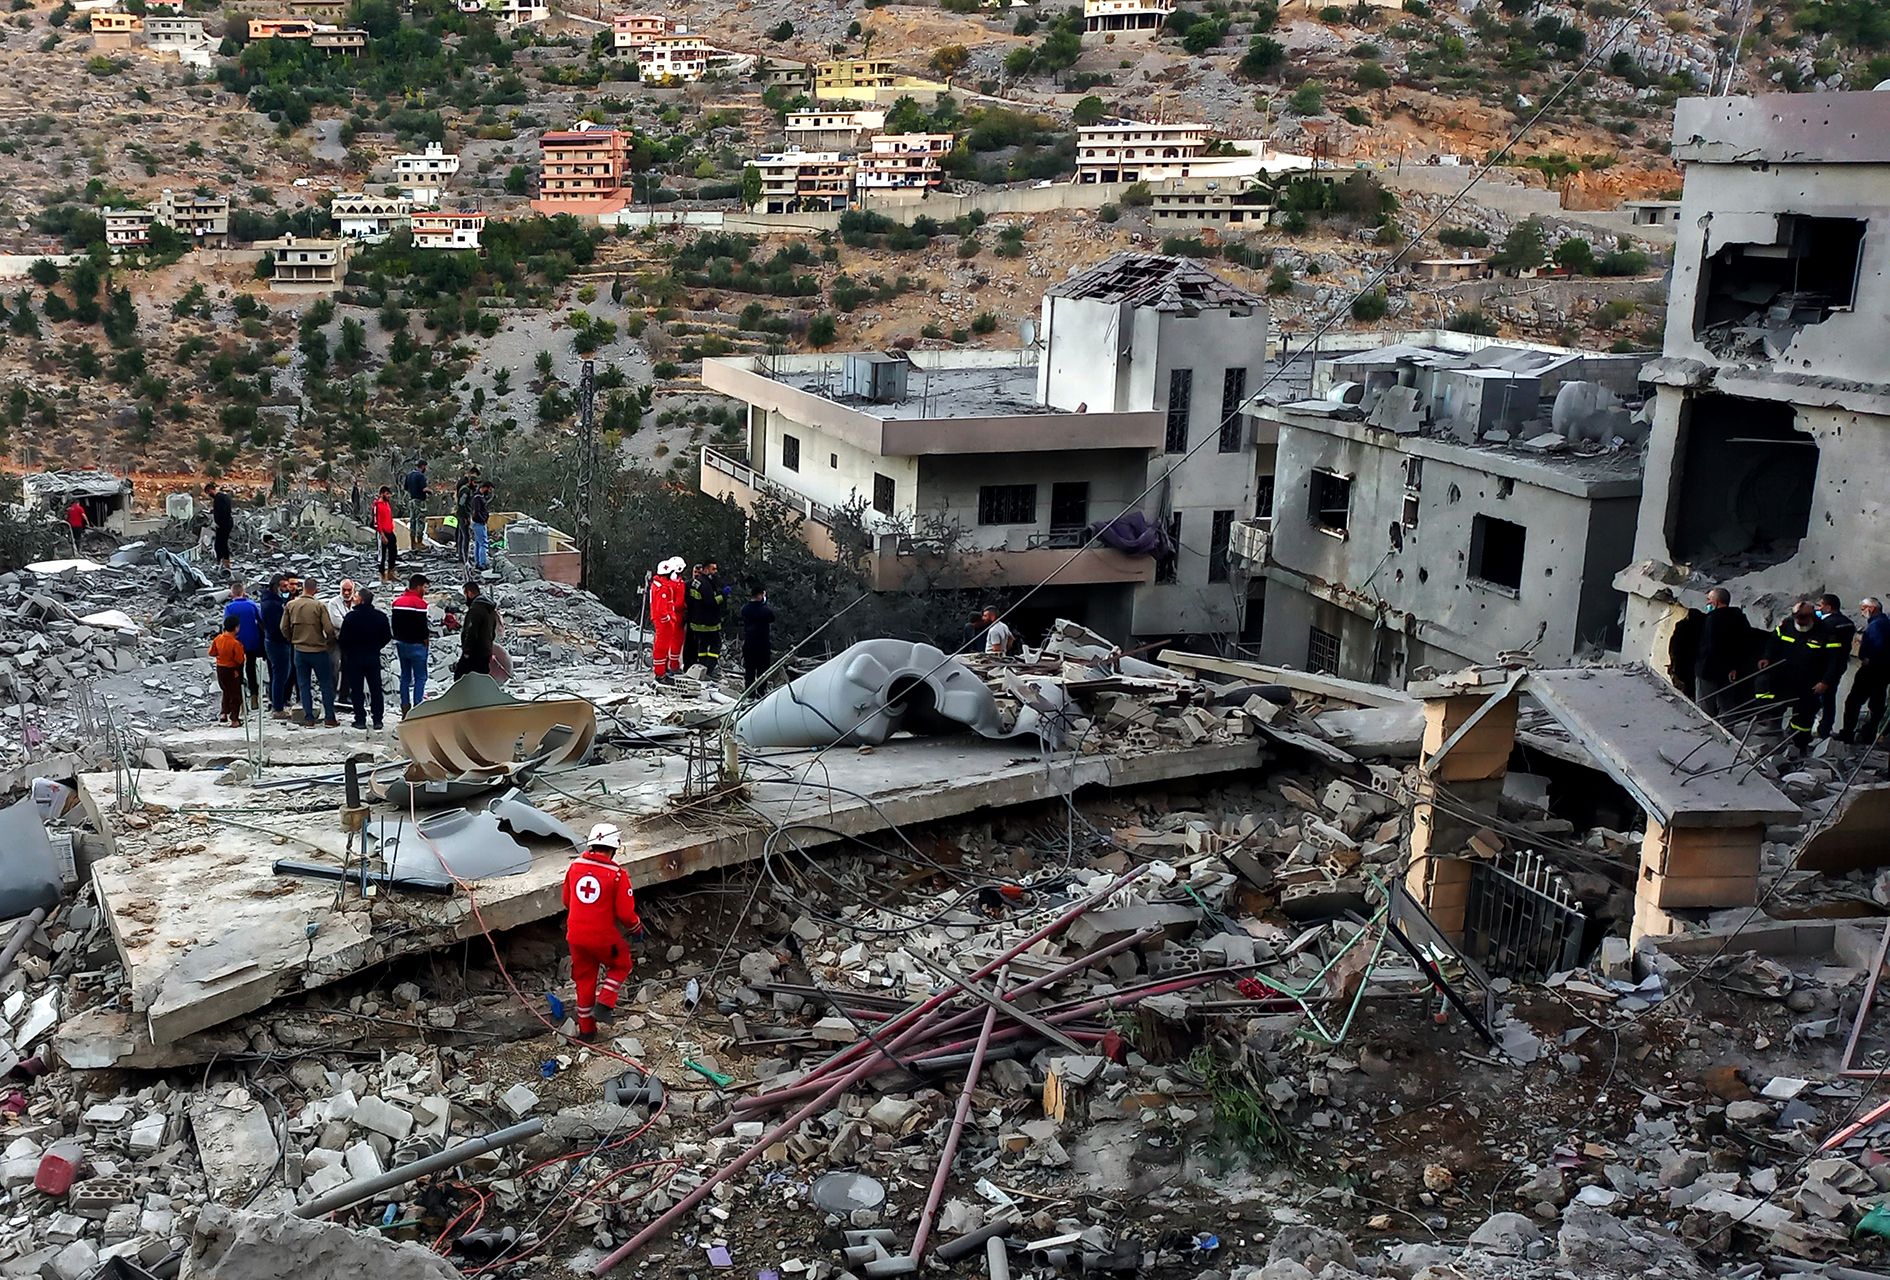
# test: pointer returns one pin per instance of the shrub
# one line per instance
(1137, 196)
(821, 331)
(1371, 306)
(1280, 280)
(984, 322)
(1471, 322)
(1371, 75)
(1622, 262)
(1464, 238)
(1263, 54)
(1308, 100)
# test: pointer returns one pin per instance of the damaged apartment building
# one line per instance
(1771, 410)
(1122, 408)
(1440, 501)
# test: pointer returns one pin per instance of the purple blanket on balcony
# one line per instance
(1130, 532)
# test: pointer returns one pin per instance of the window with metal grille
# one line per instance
(1007, 504)
(1217, 546)
(1180, 392)
(1167, 560)
(1329, 501)
(1233, 393)
(790, 452)
(1322, 652)
(882, 494)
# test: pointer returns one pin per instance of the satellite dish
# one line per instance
(1028, 330)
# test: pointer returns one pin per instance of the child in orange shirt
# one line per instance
(227, 651)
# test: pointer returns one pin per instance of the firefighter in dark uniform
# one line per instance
(703, 612)
(1843, 639)
(1802, 661)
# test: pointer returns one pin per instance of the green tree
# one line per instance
(517, 181)
(1524, 249)
(1264, 54)
(1089, 110)
(1575, 256)
(821, 330)
(1371, 306)
(751, 186)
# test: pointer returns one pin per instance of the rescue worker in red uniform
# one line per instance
(598, 899)
(666, 617)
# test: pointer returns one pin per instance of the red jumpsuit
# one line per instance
(666, 616)
(597, 898)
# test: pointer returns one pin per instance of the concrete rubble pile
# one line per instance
(1193, 1031)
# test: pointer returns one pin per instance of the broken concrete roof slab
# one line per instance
(29, 873)
(478, 729)
(1153, 280)
(871, 691)
(1679, 764)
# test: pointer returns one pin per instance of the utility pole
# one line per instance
(587, 467)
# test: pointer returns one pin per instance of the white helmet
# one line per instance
(606, 836)
(675, 564)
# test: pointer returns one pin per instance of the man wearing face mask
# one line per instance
(1799, 666)
(1723, 656)
(1843, 636)
(1868, 686)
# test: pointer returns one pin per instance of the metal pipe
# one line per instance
(996, 1229)
(343, 1196)
(17, 942)
(924, 1233)
(664, 1221)
(806, 1084)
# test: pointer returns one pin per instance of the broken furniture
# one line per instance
(477, 730)
(874, 689)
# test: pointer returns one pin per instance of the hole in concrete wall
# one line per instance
(1329, 501)
(1754, 298)
(1743, 491)
(1496, 551)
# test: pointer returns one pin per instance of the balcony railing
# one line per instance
(746, 475)
(1250, 542)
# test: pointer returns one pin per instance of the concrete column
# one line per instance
(1473, 772)
(1693, 868)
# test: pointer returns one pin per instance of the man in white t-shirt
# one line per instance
(997, 636)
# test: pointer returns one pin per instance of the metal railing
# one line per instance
(747, 475)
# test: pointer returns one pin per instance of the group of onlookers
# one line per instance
(332, 648)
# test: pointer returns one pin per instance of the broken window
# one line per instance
(1496, 552)
(1223, 529)
(1263, 497)
(790, 452)
(1180, 392)
(1409, 519)
(1233, 395)
(1007, 504)
(1322, 652)
(882, 494)
(1742, 494)
(1754, 298)
(1168, 559)
(1329, 501)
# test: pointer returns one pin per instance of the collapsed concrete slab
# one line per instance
(257, 1246)
(207, 932)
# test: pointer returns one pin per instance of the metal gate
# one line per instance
(1522, 919)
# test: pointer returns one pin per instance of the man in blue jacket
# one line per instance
(365, 631)
(249, 633)
(280, 653)
(1868, 686)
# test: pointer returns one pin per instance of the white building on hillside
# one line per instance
(369, 218)
(441, 230)
(1125, 18)
(423, 175)
(909, 160)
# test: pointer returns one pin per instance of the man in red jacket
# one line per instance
(75, 521)
(384, 526)
(666, 617)
(597, 899)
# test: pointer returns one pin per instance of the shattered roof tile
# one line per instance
(1154, 280)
